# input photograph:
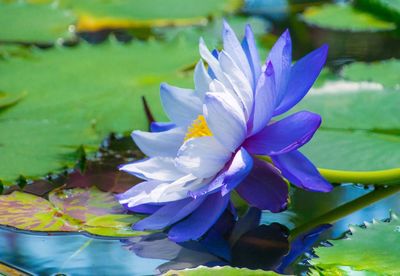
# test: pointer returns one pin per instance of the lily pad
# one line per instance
(77, 96)
(375, 249)
(359, 132)
(383, 72)
(30, 23)
(114, 14)
(389, 9)
(224, 270)
(67, 210)
(351, 19)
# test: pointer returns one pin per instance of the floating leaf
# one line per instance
(7, 100)
(29, 212)
(375, 248)
(359, 132)
(351, 19)
(389, 9)
(96, 14)
(85, 204)
(383, 72)
(69, 210)
(76, 96)
(224, 270)
(43, 24)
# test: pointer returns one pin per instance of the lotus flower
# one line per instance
(210, 147)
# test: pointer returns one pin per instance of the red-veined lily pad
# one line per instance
(67, 210)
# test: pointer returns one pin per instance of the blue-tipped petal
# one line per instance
(234, 49)
(161, 126)
(144, 208)
(239, 168)
(165, 144)
(203, 157)
(182, 106)
(264, 188)
(240, 84)
(302, 76)
(296, 168)
(285, 135)
(225, 119)
(250, 49)
(264, 100)
(168, 214)
(155, 168)
(202, 80)
(202, 219)
(281, 58)
(236, 170)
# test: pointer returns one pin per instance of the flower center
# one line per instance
(198, 128)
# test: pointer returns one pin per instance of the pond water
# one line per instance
(75, 254)
(82, 255)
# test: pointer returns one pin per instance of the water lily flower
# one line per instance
(210, 147)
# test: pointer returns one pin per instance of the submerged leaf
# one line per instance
(69, 210)
(375, 248)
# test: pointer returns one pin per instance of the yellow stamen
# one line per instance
(199, 128)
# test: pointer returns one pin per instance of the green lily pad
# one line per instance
(384, 72)
(224, 270)
(30, 23)
(77, 96)
(375, 249)
(67, 210)
(7, 100)
(96, 14)
(359, 132)
(389, 9)
(351, 19)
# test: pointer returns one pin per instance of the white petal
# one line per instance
(160, 192)
(226, 120)
(165, 143)
(156, 168)
(203, 157)
(239, 82)
(201, 80)
(233, 47)
(182, 106)
(213, 63)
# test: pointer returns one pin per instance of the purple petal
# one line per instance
(161, 126)
(281, 58)
(230, 177)
(240, 167)
(302, 76)
(168, 214)
(264, 188)
(250, 49)
(296, 168)
(285, 135)
(202, 219)
(144, 208)
(264, 102)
